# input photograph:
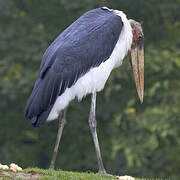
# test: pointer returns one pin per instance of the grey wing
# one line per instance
(91, 42)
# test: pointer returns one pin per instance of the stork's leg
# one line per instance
(92, 124)
(62, 122)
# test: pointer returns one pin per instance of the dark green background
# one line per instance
(141, 140)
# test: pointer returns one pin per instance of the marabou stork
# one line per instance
(79, 62)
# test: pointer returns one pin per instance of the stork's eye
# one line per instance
(140, 37)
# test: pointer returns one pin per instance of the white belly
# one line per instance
(95, 79)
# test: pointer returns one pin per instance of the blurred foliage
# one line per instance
(138, 139)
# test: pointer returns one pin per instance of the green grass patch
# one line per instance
(45, 174)
(67, 175)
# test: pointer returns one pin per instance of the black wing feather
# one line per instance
(87, 43)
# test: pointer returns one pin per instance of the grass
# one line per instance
(66, 175)
(44, 174)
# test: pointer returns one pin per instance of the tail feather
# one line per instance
(42, 99)
(40, 119)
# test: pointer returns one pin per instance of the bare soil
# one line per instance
(31, 175)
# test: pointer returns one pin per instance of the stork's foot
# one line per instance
(125, 177)
(104, 172)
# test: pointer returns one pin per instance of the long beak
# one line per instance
(137, 60)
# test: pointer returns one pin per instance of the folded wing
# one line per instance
(85, 44)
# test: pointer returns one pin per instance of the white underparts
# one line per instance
(95, 79)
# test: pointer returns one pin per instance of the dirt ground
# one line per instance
(31, 175)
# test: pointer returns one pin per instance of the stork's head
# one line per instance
(136, 55)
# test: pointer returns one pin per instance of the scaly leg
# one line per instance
(62, 122)
(92, 125)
